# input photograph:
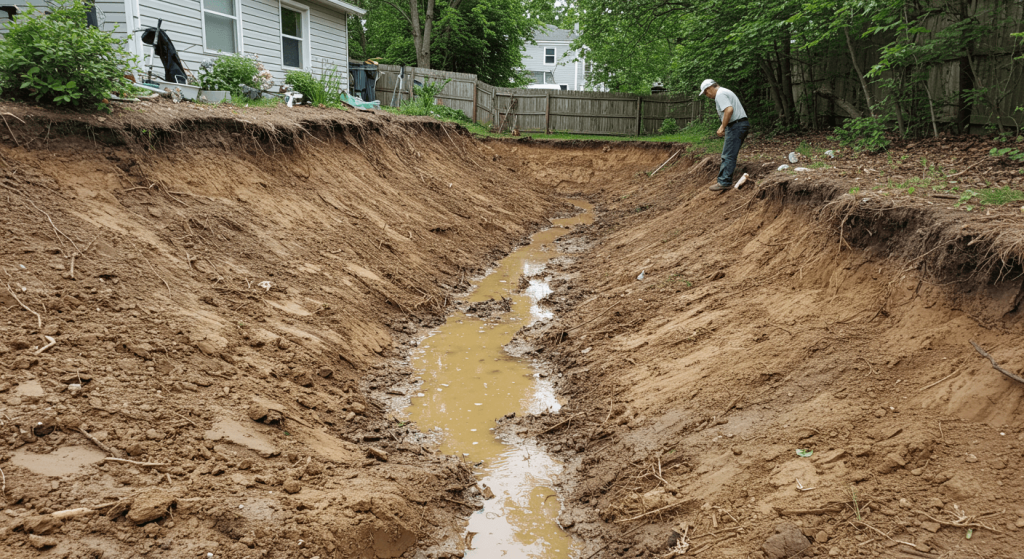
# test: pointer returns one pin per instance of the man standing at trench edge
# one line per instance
(735, 127)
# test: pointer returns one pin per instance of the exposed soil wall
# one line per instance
(143, 242)
(791, 316)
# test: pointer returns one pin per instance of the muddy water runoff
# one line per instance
(469, 381)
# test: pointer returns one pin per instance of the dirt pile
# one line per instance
(793, 374)
(197, 310)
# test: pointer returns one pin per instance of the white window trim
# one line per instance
(307, 40)
(555, 63)
(239, 45)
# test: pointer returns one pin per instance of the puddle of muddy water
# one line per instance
(469, 381)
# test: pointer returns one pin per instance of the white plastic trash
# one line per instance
(783, 167)
(793, 157)
(641, 276)
(801, 169)
(830, 153)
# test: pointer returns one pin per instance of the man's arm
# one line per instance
(726, 117)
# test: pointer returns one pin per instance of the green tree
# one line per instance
(483, 37)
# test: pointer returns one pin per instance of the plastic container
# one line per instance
(190, 92)
(214, 97)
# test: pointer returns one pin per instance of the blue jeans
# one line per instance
(735, 133)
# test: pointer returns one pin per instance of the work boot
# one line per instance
(719, 187)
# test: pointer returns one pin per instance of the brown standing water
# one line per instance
(469, 381)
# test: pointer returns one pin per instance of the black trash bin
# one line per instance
(364, 81)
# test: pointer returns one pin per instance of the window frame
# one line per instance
(306, 39)
(239, 45)
(554, 56)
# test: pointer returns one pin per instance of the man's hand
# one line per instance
(721, 131)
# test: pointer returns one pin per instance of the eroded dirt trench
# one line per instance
(241, 307)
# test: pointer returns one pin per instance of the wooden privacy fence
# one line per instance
(544, 110)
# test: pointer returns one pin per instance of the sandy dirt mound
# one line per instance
(788, 317)
(210, 299)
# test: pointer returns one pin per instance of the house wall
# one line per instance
(261, 32)
(113, 11)
(565, 70)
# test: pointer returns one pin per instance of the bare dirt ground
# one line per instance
(229, 294)
(790, 317)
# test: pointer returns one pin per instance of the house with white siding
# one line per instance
(285, 34)
(552, 61)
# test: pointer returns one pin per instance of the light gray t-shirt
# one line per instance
(725, 98)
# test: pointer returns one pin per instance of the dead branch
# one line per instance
(97, 442)
(51, 342)
(39, 319)
(994, 364)
(655, 511)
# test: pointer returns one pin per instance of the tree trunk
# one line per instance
(860, 75)
(421, 33)
(786, 64)
(773, 84)
(826, 92)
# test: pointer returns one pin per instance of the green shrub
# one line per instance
(423, 101)
(862, 134)
(58, 59)
(668, 127)
(228, 73)
(324, 90)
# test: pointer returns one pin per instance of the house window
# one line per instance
(549, 55)
(292, 48)
(220, 25)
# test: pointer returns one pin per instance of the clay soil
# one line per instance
(230, 293)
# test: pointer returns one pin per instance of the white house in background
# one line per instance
(552, 63)
(286, 34)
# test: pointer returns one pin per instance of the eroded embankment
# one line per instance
(788, 317)
(227, 296)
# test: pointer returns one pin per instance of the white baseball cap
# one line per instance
(704, 85)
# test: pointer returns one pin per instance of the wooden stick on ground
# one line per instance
(50, 342)
(147, 464)
(940, 380)
(39, 319)
(994, 364)
(655, 511)
(97, 442)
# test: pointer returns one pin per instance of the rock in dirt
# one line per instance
(257, 412)
(892, 461)
(377, 453)
(42, 524)
(324, 372)
(960, 487)
(821, 536)
(150, 506)
(931, 526)
(787, 543)
(40, 542)
(292, 486)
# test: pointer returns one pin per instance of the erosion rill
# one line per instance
(224, 371)
(469, 380)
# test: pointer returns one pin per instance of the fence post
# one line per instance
(474, 102)
(547, 115)
(639, 113)
(494, 106)
(412, 80)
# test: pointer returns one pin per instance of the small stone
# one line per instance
(154, 435)
(377, 453)
(304, 380)
(931, 526)
(879, 413)
(42, 525)
(934, 503)
(257, 412)
(834, 552)
(821, 536)
(1019, 523)
(135, 449)
(358, 408)
(917, 471)
(40, 542)
(998, 465)
(324, 372)
(150, 506)
(350, 416)
(292, 486)
(207, 347)
(971, 458)
(737, 451)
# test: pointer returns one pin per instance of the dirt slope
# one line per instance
(791, 316)
(143, 241)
